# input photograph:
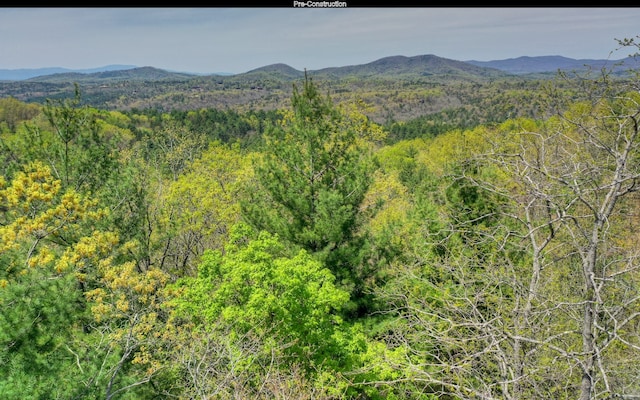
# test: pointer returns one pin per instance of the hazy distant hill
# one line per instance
(22, 74)
(275, 71)
(133, 74)
(25, 74)
(434, 83)
(393, 66)
(418, 66)
(390, 67)
(528, 65)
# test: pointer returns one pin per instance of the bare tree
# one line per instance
(216, 363)
(539, 298)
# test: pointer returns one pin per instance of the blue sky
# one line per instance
(235, 40)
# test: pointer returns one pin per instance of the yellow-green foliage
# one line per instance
(39, 217)
(197, 209)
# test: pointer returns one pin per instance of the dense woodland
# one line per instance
(310, 252)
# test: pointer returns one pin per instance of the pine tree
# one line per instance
(316, 168)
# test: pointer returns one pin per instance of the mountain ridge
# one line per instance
(541, 64)
(133, 74)
(397, 87)
(27, 73)
(398, 63)
(422, 65)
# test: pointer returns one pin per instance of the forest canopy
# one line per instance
(311, 252)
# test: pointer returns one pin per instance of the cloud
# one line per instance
(240, 39)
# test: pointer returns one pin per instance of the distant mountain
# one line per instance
(133, 74)
(25, 73)
(442, 68)
(542, 64)
(269, 87)
(282, 71)
(389, 67)
(417, 66)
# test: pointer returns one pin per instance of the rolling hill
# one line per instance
(421, 65)
(398, 87)
(544, 64)
(25, 73)
(418, 66)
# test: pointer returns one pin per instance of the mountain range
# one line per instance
(398, 87)
(27, 73)
(529, 65)
(422, 65)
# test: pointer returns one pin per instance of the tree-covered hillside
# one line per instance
(397, 89)
(308, 251)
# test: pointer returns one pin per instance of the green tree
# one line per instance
(197, 210)
(79, 155)
(286, 308)
(315, 170)
(64, 217)
(44, 253)
(13, 111)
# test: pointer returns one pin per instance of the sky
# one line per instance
(236, 40)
